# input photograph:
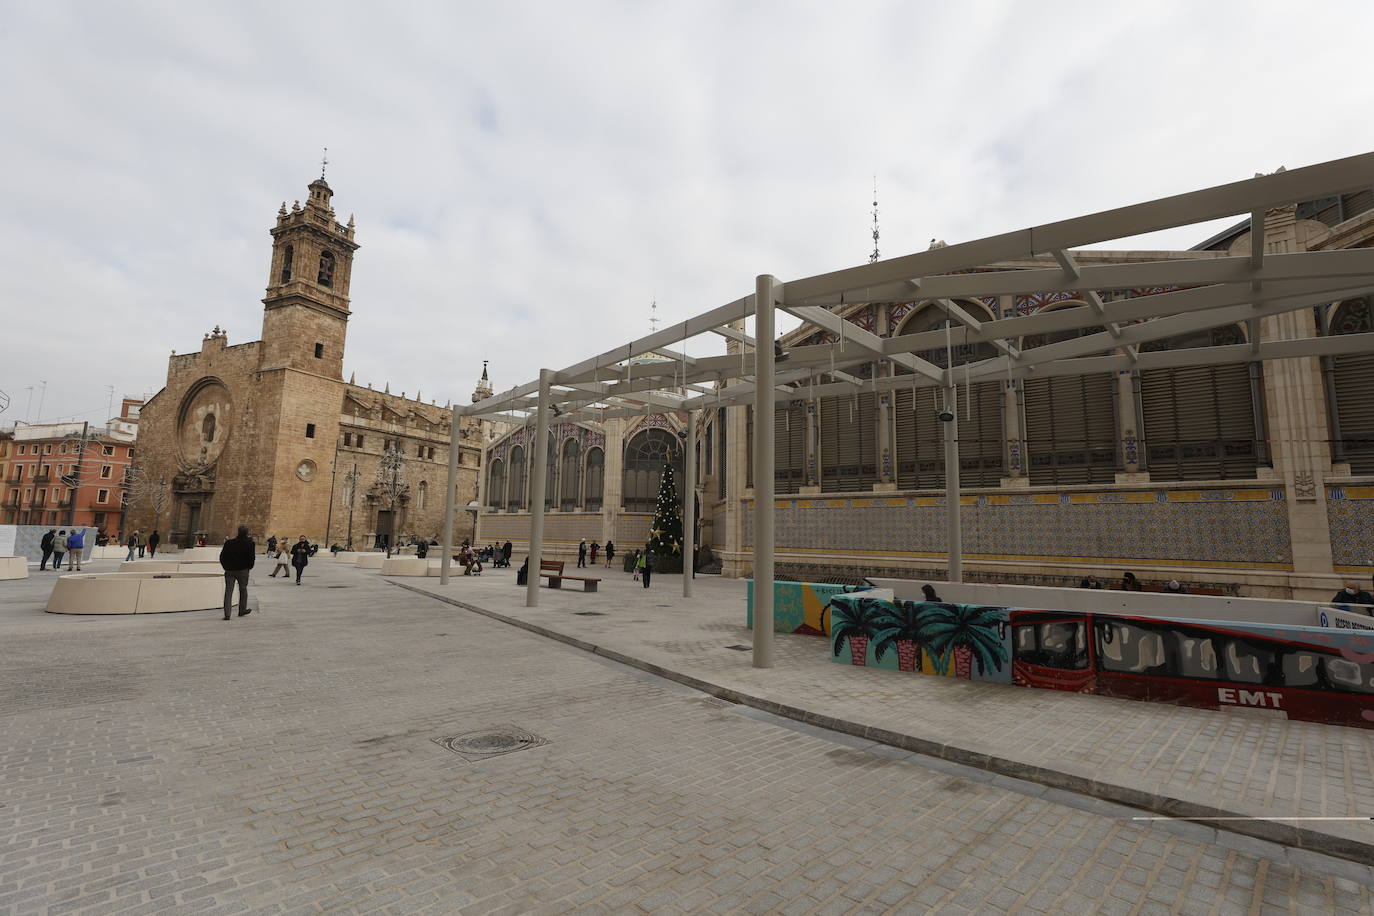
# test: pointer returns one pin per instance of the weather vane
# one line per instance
(653, 317)
(874, 256)
(324, 162)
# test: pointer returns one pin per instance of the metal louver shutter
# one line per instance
(789, 432)
(748, 446)
(1353, 375)
(1071, 429)
(980, 435)
(920, 456)
(1352, 205)
(848, 427)
(1199, 423)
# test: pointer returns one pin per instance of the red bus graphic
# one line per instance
(1190, 664)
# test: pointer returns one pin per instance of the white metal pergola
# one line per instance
(1214, 292)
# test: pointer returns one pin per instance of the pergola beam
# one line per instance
(867, 340)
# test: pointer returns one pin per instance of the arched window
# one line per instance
(645, 456)
(496, 484)
(920, 438)
(572, 465)
(421, 494)
(287, 258)
(596, 476)
(1070, 421)
(326, 268)
(551, 475)
(515, 499)
(1348, 388)
(1200, 421)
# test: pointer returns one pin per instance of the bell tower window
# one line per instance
(287, 258)
(326, 277)
(319, 351)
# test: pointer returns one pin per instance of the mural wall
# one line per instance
(1245, 527)
(1306, 673)
(804, 607)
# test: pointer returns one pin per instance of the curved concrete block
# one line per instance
(149, 566)
(370, 560)
(405, 566)
(109, 553)
(199, 554)
(214, 568)
(14, 567)
(144, 592)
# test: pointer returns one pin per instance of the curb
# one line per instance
(1217, 818)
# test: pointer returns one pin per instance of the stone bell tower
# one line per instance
(306, 307)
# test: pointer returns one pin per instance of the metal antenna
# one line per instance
(324, 163)
(653, 317)
(874, 256)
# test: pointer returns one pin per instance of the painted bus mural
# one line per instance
(1313, 674)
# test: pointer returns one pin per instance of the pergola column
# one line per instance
(450, 497)
(689, 506)
(541, 467)
(954, 534)
(764, 292)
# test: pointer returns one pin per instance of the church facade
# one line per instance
(1252, 479)
(268, 433)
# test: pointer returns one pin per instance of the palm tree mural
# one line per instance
(855, 621)
(905, 627)
(968, 633)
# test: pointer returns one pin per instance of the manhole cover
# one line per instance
(589, 614)
(490, 742)
(741, 648)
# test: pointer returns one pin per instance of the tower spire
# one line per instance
(874, 256)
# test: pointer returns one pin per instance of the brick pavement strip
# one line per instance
(288, 766)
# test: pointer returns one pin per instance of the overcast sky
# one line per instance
(528, 177)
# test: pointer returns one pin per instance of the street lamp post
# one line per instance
(350, 488)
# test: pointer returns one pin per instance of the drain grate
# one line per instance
(741, 648)
(490, 742)
(589, 614)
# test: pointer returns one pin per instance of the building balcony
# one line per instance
(41, 478)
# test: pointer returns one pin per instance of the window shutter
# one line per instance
(1199, 423)
(1071, 429)
(1353, 376)
(789, 434)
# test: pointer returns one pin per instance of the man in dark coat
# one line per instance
(582, 554)
(46, 545)
(300, 557)
(153, 540)
(1352, 594)
(236, 558)
(505, 553)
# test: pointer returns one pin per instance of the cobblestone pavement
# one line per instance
(1243, 762)
(287, 762)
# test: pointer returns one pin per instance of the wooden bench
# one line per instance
(553, 571)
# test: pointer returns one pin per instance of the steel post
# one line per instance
(537, 485)
(765, 287)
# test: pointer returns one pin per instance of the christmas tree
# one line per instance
(665, 535)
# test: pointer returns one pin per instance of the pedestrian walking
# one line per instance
(582, 554)
(634, 566)
(272, 545)
(236, 557)
(595, 547)
(76, 546)
(132, 544)
(610, 553)
(300, 557)
(505, 554)
(46, 545)
(646, 566)
(142, 545)
(153, 540)
(283, 559)
(59, 549)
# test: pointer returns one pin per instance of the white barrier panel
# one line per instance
(199, 554)
(1343, 620)
(405, 566)
(1149, 604)
(370, 560)
(14, 567)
